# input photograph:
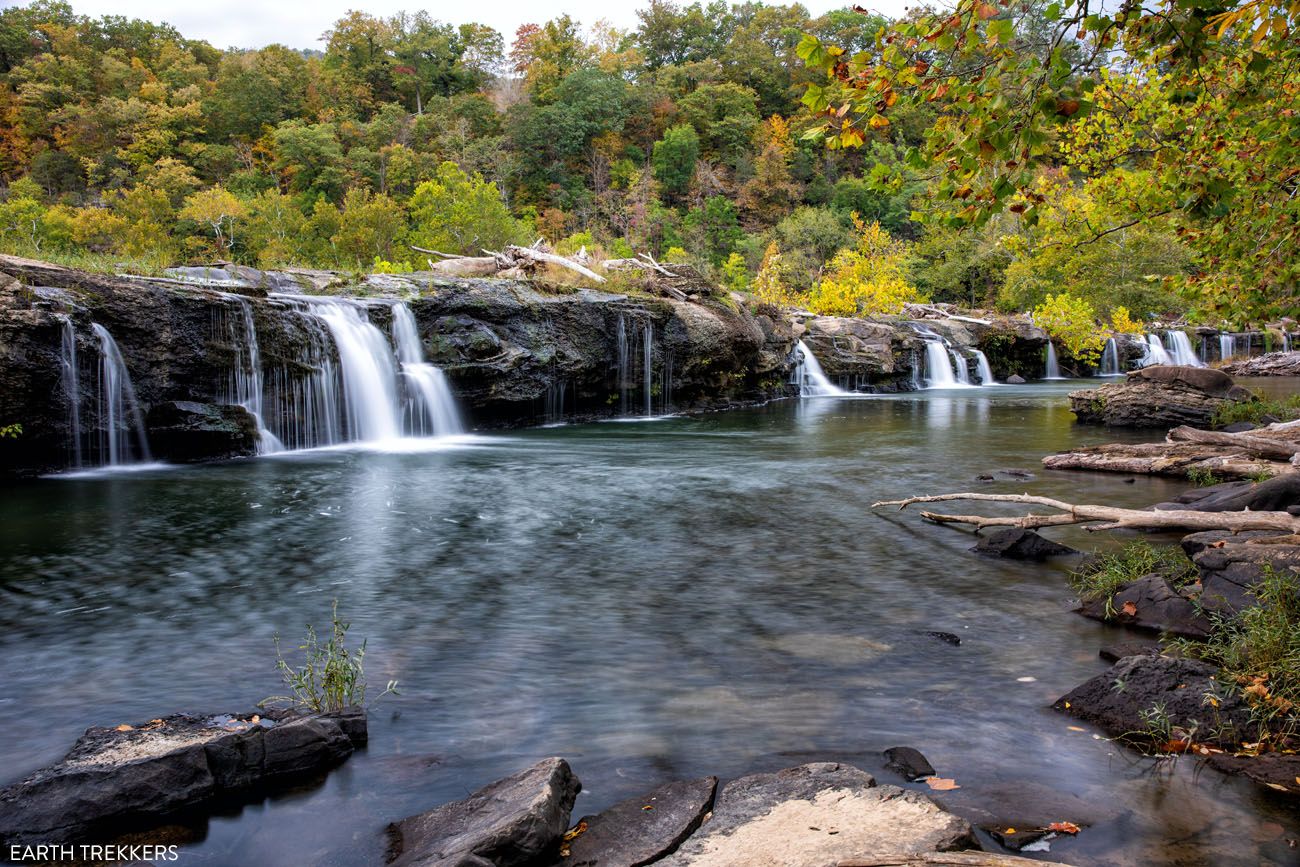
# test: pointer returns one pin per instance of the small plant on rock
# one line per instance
(1202, 478)
(1102, 576)
(331, 676)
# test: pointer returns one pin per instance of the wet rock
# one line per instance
(817, 815)
(984, 477)
(116, 779)
(1238, 427)
(183, 431)
(644, 829)
(1016, 543)
(1120, 701)
(908, 763)
(945, 637)
(1015, 840)
(1232, 565)
(1116, 652)
(1277, 494)
(1269, 364)
(1162, 396)
(1016, 474)
(1278, 771)
(1015, 379)
(516, 820)
(1153, 604)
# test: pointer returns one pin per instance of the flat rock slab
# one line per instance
(131, 776)
(643, 830)
(517, 820)
(817, 815)
(1116, 700)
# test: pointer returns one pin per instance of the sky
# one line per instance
(300, 23)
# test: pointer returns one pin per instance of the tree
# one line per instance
(369, 228)
(218, 211)
(461, 214)
(674, 159)
(546, 55)
(867, 280)
(725, 116)
(1072, 322)
(310, 159)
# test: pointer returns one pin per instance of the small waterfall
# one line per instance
(1205, 349)
(429, 408)
(647, 348)
(666, 383)
(245, 384)
(959, 365)
(982, 367)
(117, 402)
(622, 366)
(1286, 342)
(938, 366)
(555, 402)
(917, 381)
(1180, 347)
(1156, 353)
(70, 374)
(369, 372)
(1052, 370)
(1110, 359)
(809, 377)
(1227, 346)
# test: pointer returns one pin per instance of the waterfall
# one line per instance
(982, 367)
(1205, 349)
(369, 372)
(70, 374)
(1052, 370)
(429, 408)
(1227, 346)
(245, 384)
(117, 402)
(622, 366)
(666, 382)
(1286, 342)
(917, 382)
(938, 366)
(647, 348)
(1180, 347)
(809, 377)
(1110, 359)
(959, 365)
(1156, 353)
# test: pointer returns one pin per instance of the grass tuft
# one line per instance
(1103, 575)
(1286, 409)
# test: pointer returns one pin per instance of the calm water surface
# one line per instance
(651, 600)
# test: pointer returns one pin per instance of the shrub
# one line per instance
(769, 284)
(868, 280)
(1072, 321)
(1121, 322)
(331, 676)
(1103, 575)
(1286, 408)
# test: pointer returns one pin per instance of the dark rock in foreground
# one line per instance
(1279, 771)
(1277, 494)
(1151, 603)
(1162, 396)
(1015, 543)
(643, 830)
(183, 431)
(1232, 565)
(908, 763)
(520, 819)
(817, 815)
(1120, 701)
(118, 779)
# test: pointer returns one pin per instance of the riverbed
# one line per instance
(652, 600)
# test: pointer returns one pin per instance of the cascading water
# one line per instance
(1110, 359)
(369, 372)
(1286, 342)
(1180, 348)
(666, 382)
(808, 375)
(119, 412)
(622, 366)
(959, 365)
(938, 366)
(429, 408)
(70, 375)
(245, 384)
(647, 348)
(917, 381)
(1051, 369)
(1156, 353)
(982, 367)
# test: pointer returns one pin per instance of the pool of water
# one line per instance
(662, 600)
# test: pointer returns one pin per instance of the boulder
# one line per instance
(1269, 364)
(1153, 604)
(1016, 543)
(817, 815)
(1120, 701)
(1277, 494)
(183, 431)
(517, 820)
(1015, 379)
(1163, 396)
(127, 777)
(908, 763)
(644, 829)
(1231, 565)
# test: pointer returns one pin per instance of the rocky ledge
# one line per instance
(1159, 396)
(1271, 364)
(130, 777)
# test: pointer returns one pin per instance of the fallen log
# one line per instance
(514, 256)
(1113, 517)
(1264, 447)
(1164, 459)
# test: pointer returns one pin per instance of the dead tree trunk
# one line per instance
(1263, 447)
(1112, 517)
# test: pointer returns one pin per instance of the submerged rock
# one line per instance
(118, 779)
(1163, 396)
(908, 763)
(1151, 603)
(644, 829)
(817, 815)
(1016, 543)
(183, 431)
(517, 820)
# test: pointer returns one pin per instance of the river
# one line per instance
(652, 600)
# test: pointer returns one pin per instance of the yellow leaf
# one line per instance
(939, 784)
(124, 728)
(1076, 729)
(878, 121)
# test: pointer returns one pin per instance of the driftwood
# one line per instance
(1112, 517)
(1164, 459)
(513, 261)
(938, 311)
(1264, 447)
(944, 859)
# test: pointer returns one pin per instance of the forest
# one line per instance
(1092, 166)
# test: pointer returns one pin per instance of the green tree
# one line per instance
(674, 159)
(460, 213)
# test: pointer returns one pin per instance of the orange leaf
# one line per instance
(1130, 608)
(939, 784)
(1064, 827)
(986, 11)
(124, 728)
(878, 121)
